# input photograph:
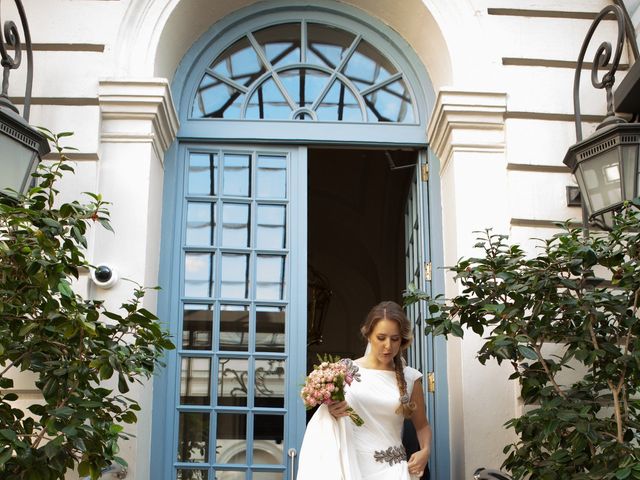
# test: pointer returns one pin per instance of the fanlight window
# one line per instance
(304, 71)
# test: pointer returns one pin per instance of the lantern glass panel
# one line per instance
(16, 163)
(630, 170)
(601, 179)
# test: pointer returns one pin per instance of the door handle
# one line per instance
(292, 452)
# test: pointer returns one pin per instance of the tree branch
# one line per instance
(12, 364)
(616, 407)
(550, 375)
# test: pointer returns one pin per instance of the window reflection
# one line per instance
(230, 431)
(268, 475)
(197, 327)
(270, 281)
(272, 176)
(327, 45)
(193, 437)
(191, 474)
(203, 174)
(281, 43)
(304, 85)
(231, 474)
(367, 66)
(195, 381)
(269, 383)
(339, 104)
(236, 177)
(235, 225)
(200, 223)
(268, 439)
(270, 328)
(233, 374)
(268, 102)
(271, 227)
(391, 103)
(240, 63)
(234, 327)
(199, 274)
(235, 276)
(217, 99)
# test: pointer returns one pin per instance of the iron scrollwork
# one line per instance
(10, 40)
(261, 376)
(602, 60)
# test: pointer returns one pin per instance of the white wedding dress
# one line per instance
(339, 450)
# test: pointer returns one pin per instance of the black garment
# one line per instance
(411, 445)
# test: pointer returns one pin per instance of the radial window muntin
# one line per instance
(374, 102)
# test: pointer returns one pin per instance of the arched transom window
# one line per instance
(304, 71)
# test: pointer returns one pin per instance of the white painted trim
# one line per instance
(467, 121)
(138, 110)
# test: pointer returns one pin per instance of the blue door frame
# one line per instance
(292, 133)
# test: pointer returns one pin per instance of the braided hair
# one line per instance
(389, 310)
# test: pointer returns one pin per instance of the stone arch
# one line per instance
(156, 34)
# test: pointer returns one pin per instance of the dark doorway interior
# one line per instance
(356, 206)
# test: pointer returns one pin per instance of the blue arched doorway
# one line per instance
(263, 97)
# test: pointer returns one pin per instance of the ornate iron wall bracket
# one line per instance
(10, 39)
(601, 59)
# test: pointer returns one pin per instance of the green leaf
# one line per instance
(84, 469)
(9, 434)
(106, 371)
(623, 473)
(52, 447)
(65, 289)
(528, 352)
(26, 328)
(123, 387)
(5, 455)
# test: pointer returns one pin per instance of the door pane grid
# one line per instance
(233, 294)
(413, 269)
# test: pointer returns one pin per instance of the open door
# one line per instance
(418, 270)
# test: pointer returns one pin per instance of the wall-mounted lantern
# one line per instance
(21, 145)
(605, 163)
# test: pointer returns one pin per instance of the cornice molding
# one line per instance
(141, 111)
(467, 121)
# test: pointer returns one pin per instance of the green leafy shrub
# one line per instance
(71, 345)
(587, 427)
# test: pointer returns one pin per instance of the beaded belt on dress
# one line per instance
(391, 455)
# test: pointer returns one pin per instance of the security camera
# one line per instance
(104, 275)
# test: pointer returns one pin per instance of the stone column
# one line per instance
(138, 125)
(467, 134)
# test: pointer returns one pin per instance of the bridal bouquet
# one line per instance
(326, 382)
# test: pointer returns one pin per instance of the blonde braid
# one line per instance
(406, 407)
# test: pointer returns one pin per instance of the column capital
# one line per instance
(138, 111)
(465, 120)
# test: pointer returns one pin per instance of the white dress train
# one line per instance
(339, 450)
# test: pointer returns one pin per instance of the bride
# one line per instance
(388, 392)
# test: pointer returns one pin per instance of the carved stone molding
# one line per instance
(467, 121)
(138, 111)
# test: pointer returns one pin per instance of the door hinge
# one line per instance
(427, 271)
(431, 382)
(424, 172)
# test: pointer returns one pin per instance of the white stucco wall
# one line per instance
(504, 73)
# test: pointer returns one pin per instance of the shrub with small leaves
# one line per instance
(72, 346)
(579, 296)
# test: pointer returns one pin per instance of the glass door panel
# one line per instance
(242, 314)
